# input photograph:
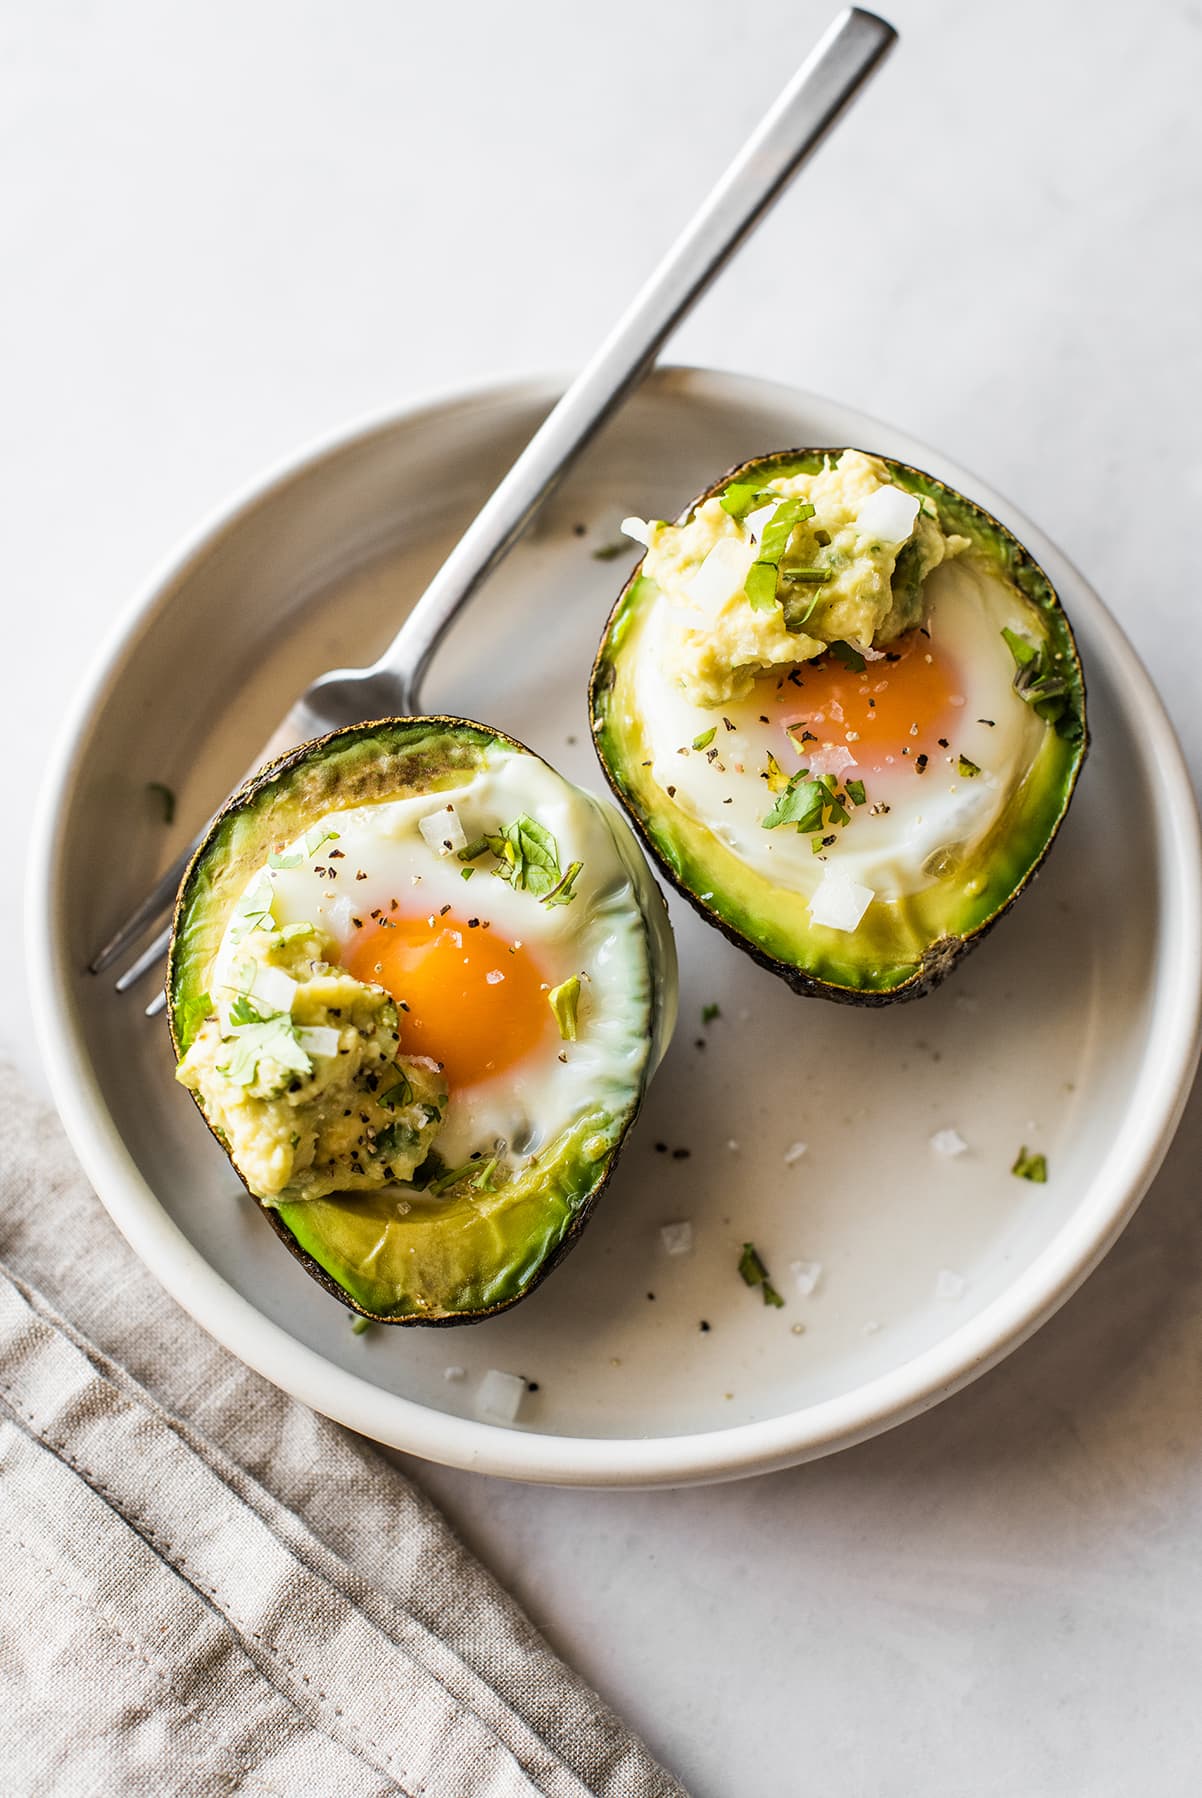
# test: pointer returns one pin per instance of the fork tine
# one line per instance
(156, 902)
(157, 1004)
(149, 958)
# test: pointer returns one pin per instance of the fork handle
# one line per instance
(836, 68)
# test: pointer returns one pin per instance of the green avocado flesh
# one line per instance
(456, 1258)
(905, 944)
(408, 1253)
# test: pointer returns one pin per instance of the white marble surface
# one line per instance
(227, 230)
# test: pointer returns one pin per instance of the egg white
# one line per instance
(932, 817)
(601, 935)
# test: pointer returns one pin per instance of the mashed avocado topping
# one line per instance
(297, 1067)
(761, 578)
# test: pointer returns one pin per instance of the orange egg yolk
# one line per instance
(467, 996)
(890, 713)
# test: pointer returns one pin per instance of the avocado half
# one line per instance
(910, 947)
(457, 1259)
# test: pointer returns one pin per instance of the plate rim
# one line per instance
(737, 1450)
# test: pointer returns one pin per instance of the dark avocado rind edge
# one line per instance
(908, 980)
(375, 759)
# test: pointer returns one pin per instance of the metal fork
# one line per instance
(850, 51)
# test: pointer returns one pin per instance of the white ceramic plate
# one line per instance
(1072, 1030)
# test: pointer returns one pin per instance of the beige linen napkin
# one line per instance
(204, 1588)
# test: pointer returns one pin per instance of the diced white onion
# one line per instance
(949, 1285)
(443, 831)
(318, 1039)
(832, 758)
(677, 1238)
(807, 1275)
(755, 521)
(273, 987)
(721, 575)
(887, 515)
(794, 1152)
(840, 903)
(499, 1396)
(639, 529)
(948, 1142)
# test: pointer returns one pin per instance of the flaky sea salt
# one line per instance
(499, 1397)
(806, 1275)
(677, 1238)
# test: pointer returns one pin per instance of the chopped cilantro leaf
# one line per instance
(452, 1176)
(752, 1269)
(802, 803)
(710, 1012)
(1040, 684)
(968, 770)
(258, 1039)
(609, 552)
(802, 595)
(360, 1326)
(253, 912)
(563, 893)
(850, 658)
(315, 838)
(393, 1139)
(1031, 1167)
(399, 1094)
(528, 855)
(754, 1273)
(245, 1011)
(760, 585)
(855, 791)
(742, 497)
(1024, 653)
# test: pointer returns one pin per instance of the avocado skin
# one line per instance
(991, 538)
(378, 759)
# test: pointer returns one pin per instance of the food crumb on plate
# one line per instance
(794, 1152)
(948, 1142)
(949, 1284)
